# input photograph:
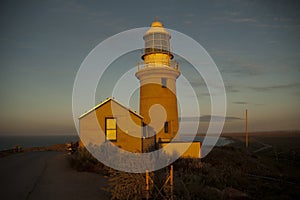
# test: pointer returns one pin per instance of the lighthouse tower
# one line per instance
(157, 77)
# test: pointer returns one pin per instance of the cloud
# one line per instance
(237, 62)
(273, 42)
(82, 10)
(279, 23)
(240, 102)
(275, 87)
(241, 65)
(235, 19)
(187, 22)
(247, 103)
(199, 83)
(272, 21)
(190, 15)
(290, 62)
(237, 66)
(230, 118)
(242, 20)
(277, 26)
(232, 13)
(189, 119)
(231, 89)
(208, 118)
(259, 104)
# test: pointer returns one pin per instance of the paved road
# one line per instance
(47, 175)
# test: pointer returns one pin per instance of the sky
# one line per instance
(255, 45)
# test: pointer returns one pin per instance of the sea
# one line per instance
(9, 142)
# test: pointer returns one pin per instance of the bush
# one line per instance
(82, 160)
(225, 171)
(126, 185)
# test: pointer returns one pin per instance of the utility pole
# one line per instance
(247, 134)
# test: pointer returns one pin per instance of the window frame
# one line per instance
(106, 129)
(166, 127)
(164, 82)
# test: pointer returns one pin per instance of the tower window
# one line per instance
(166, 127)
(163, 82)
(111, 129)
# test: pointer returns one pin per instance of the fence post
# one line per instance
(147, 184)
(171, 181)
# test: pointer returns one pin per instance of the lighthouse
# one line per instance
(157, 76)
(156, 125)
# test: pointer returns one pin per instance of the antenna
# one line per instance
(247, 135)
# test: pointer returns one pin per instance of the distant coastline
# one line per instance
(10, 141)
(29, 141)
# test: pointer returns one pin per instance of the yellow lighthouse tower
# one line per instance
(157, 77)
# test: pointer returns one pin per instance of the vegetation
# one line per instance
(82, 160)
(227, 172)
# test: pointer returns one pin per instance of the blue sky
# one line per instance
(255, 45)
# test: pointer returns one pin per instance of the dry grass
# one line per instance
(228, 172)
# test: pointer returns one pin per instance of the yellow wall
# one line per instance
(129, 127)
(150, 96)
(152, 92)
(192, 151)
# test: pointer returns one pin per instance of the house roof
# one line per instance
(106, 101)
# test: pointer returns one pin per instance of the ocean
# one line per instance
(9, 142)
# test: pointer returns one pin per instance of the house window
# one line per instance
(166, 127)
(163, 82)
(111, 128)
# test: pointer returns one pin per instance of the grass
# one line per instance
(228, 172)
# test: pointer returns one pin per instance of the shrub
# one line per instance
(82, 160)
(124, 185)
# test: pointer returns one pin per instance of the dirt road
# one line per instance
(47, 175)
